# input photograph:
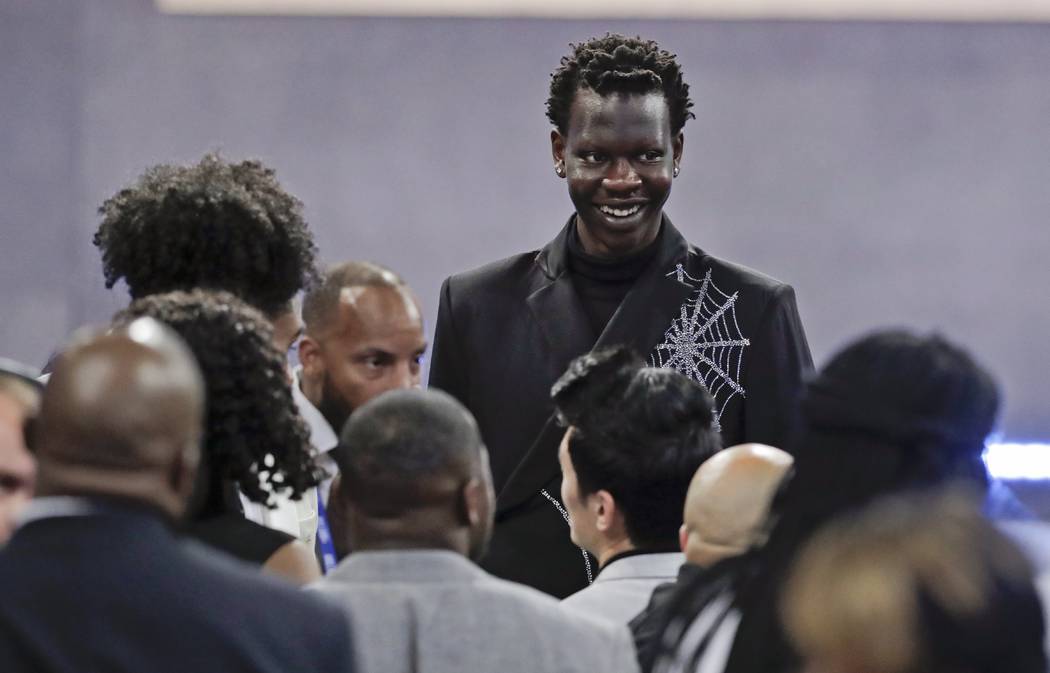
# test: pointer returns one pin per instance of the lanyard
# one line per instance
(324, 537)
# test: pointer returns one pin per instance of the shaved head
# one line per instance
(121, 416)
(416, 474)
(727, 506)
(321, 304)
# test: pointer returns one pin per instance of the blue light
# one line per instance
(1018, 460)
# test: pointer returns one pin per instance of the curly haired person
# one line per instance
(254, 441)
(217, 225)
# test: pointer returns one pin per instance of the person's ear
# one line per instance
(605, 510)
(473, 508)
(683, 537)
(676, 149)
(310, 357)
(183, 473)
(558, 152)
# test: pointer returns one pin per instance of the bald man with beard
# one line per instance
(94, 578)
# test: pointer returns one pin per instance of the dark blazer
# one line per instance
(507, 331)
(118, 592)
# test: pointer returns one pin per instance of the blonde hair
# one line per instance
(857, 590)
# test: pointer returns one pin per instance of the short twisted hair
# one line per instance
(618, 64)
(251, 425)
(214, 225)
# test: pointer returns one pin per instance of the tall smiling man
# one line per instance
(617, 273)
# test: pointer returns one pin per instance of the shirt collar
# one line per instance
(64, 506)
(413, 566)
(642, 565)
(322, 436)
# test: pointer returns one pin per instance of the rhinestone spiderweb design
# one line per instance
(704, 342)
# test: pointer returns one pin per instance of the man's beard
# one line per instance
(332, 405)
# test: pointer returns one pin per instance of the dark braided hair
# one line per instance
(639, 433)
(215, 225)
(618, 64)
(252, 425)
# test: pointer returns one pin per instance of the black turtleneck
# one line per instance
(603, 283)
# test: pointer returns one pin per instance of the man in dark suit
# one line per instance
(94, 579)
(617, 273)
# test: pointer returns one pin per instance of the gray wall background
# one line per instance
(895, 174)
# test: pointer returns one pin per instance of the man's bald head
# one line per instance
(321, 303)
(415, 473)
(121, 416)
(727, 507)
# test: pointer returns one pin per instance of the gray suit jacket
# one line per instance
(434, 611)
(623, 588)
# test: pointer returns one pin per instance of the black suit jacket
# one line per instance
(507, 331)
(117, 592)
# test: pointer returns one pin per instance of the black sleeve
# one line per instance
(447, 366)
(780, 360)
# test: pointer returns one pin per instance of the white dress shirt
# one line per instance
(299, 518)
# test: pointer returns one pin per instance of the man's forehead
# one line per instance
(379, 303)
(367, 313)
(618, 114)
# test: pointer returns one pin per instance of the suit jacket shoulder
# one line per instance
(120, 592)
(738, 274)
(434, 608)
(495, 276)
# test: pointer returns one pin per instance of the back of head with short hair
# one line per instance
(120, 414)
(321, 300)
(407, 450)
(639, 433)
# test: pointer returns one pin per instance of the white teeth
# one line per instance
(620, 212)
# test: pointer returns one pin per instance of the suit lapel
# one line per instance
(640, 322)
(557, 310)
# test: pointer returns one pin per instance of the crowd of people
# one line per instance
(241, 472)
